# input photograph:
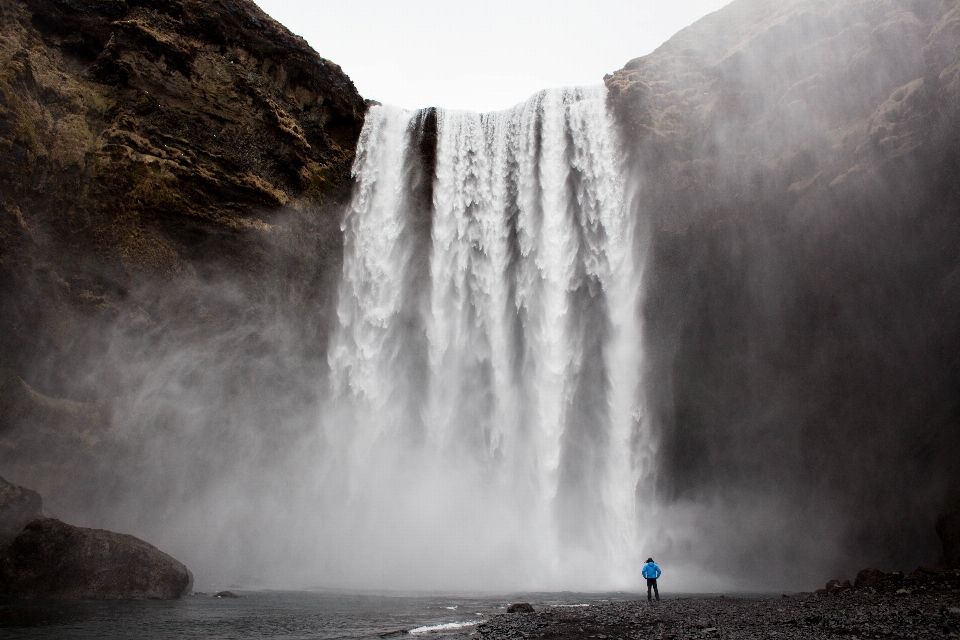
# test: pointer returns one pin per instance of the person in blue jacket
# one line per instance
(651, 572)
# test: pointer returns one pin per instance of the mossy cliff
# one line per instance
(799, 166)
(166, 168)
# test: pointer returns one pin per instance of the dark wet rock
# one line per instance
(18, 506)
(948, 530)
(871, 578)
(225, 594)
(54, 560)
(520, 607)
(833, 586)
(925, 574)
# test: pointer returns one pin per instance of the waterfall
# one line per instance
(485, 375)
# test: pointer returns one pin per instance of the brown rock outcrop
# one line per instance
(53, 560)
(170, 175)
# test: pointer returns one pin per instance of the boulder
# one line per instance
(520, 607)
(54, 560)
(928, 574)
(18, 506)
(871, 578)
(225, 594)
(835, 585)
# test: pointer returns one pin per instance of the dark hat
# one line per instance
(649, 559)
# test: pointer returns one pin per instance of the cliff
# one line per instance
(169, 172)
(798, 165)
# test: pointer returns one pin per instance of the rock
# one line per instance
(520, 607)
(225, 594)
(927, 574)
(835, 585)
(948, 530)
(54, 560)
(871, 578)
(18, 506)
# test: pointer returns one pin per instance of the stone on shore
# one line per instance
(54, 560)
(520, 607)
(871, 578)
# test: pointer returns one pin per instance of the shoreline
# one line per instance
(929, 611)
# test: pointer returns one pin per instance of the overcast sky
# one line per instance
(481, 55)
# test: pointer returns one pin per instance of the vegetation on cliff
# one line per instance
(169, 171)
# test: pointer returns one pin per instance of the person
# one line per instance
(651, 572)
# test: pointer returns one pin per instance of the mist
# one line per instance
(800, 299)
(707, 313)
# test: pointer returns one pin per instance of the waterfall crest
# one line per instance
(485, 376)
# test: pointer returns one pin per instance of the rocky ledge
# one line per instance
(933, 612)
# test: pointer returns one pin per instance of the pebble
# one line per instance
(925, 612)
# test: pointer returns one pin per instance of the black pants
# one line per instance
(652, 584)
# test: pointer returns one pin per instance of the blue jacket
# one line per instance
(650, 570)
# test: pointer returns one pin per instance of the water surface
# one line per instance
(272, 614)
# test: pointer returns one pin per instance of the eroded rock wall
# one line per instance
(798, 165)
(171, 181)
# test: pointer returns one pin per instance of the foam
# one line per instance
(447, 626)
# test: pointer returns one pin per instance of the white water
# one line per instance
(485, 419)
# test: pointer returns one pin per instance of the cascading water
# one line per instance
(486, 371)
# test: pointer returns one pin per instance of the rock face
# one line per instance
(798, 165)
(53, 560)
(171, 174)
(18, 506)
(948, 530)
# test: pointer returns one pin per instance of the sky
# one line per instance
(483, 55)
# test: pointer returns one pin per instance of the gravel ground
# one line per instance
(902, 610)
